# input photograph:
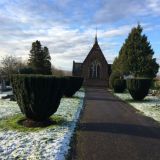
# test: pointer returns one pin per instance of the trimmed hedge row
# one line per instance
(138, 87)
(73, 84)
(113, 77)
(117, 82)
(39, 96)
(119, 85)
(26, 70)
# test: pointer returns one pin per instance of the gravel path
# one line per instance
(110, 129)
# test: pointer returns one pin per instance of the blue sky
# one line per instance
(67, 27)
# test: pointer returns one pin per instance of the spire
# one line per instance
(96, 41)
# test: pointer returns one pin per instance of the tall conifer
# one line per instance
(39, 59)
(136, 56)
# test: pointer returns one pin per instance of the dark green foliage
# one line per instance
(39, 59)
(38, 96)
(138, 87)
(155, 84)
(113, 76)
(7, 82)
(26, 70)
(73, 84)
(136, 56)
(119, 85)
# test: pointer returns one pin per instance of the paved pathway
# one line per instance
(110, 129)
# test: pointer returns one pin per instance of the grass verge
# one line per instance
(12, 123)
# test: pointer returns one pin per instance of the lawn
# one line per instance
(53, 142)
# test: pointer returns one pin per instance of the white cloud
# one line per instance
(130, 10)
(118, 31)
(116, 10)
(65, 26)
(154, 5)
(65, 44)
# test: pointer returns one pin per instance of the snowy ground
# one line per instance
(48, 144)
(150, 106)
(5, 93)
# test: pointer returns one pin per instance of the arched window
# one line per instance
(94, 70)
(91, 71)
(98, 71)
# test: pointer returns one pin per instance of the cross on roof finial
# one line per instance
(96, 31)
(96, 41)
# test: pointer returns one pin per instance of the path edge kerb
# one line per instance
(71, 153)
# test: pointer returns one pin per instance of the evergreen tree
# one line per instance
(136, 56)
(47, 62)
(39, 59)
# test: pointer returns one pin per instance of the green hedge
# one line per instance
(155, 84)
(26, 70)
(38, 96)
(119, 85)
(138, 87)
(73, 84)
(113, 76)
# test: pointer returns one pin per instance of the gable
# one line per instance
(94, 67)
(95, 53)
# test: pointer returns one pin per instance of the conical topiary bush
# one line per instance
(38, 96)
(138, 87)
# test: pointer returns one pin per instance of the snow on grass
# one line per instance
(150, 106)
(8, 108)
(51, 143)
(5, 93)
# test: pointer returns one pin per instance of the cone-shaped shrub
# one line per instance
(37, 96)
(113, 77)
(73, 84)
(119, 85)
(138, 87)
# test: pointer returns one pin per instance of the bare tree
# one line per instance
(10, 65)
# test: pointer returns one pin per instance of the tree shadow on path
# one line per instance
(127, 129)
(103, 99)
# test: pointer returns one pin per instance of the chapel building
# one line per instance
(95, 69)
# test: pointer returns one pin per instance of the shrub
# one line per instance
(114, 75)
(119, 85)
(26, 70)
(155, 84)
(73, 84)
(37, 96)
(138, 87)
